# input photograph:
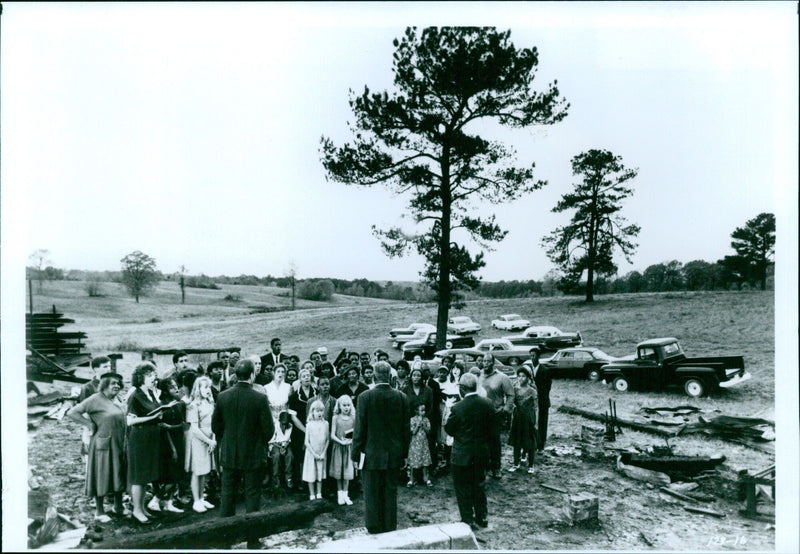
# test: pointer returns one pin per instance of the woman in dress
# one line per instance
(144, 439)
(105, 466)
(278, 392)
(522, 435)
(202, 442)
(173, 447)
(298, 408)
(417, 392)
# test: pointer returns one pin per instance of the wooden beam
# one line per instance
(166, 351)
(223, 532)
(622, 422)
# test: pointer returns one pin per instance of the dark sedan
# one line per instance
(583, 362)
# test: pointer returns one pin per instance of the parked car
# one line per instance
(548, 339)
(425, 346)
(511, 322)
(582, 362)
(469, 357)
(462, 325)
(404, 334)
(661, 363)
(504, 352)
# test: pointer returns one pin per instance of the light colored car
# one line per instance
(504, 352)
(411, 329)
(412, 332)
(462, 325)
(547, 338)
(510, 322)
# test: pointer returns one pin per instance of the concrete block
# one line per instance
(429, 537)
(582, 507)
(461, 536)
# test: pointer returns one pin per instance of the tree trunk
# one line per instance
(137, 298)
(210, 531)
(444, 261)
(590, 283)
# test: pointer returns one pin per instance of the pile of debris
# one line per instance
(49, 529)
(665, 421)
(53, 405)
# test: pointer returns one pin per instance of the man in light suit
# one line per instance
(381, 434)
(470, 425)
(242, 423)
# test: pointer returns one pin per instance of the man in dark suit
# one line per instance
(381, 434)
(470, 425)
(275, 357)
(543, 381)
(243, 425)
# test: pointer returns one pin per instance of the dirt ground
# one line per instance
(523, 515)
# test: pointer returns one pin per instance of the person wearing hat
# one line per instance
(105, 468)
(522, 435)
(542, 381)
(323, 354)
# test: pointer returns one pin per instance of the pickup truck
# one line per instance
(548, 339)
(661, 363)
(425, 347)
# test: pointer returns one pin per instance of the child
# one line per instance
(279, 450)
(419, 454)
(200, 459)
(522, 435)
(341, 467)
(316, 444)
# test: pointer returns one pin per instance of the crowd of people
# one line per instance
(184, 438)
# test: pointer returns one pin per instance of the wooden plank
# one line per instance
(166, 351)
(622, 422)
(554, 488)
(667, 490)
(224, 532)
(704, 511)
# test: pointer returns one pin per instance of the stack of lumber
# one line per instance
(42, 335)
(53, 352)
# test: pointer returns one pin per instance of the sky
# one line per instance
(191, 131)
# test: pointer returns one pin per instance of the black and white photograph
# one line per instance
(366, 276)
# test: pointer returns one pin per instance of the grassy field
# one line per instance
(706, 323)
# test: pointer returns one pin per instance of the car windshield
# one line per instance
(460, 320)
(512, 317)
(672, 349)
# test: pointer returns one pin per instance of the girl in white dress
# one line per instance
(316, 444)
(201, 444)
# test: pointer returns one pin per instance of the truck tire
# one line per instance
(593, 374)
(448, 344)
(620, 384)
(694, 387)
